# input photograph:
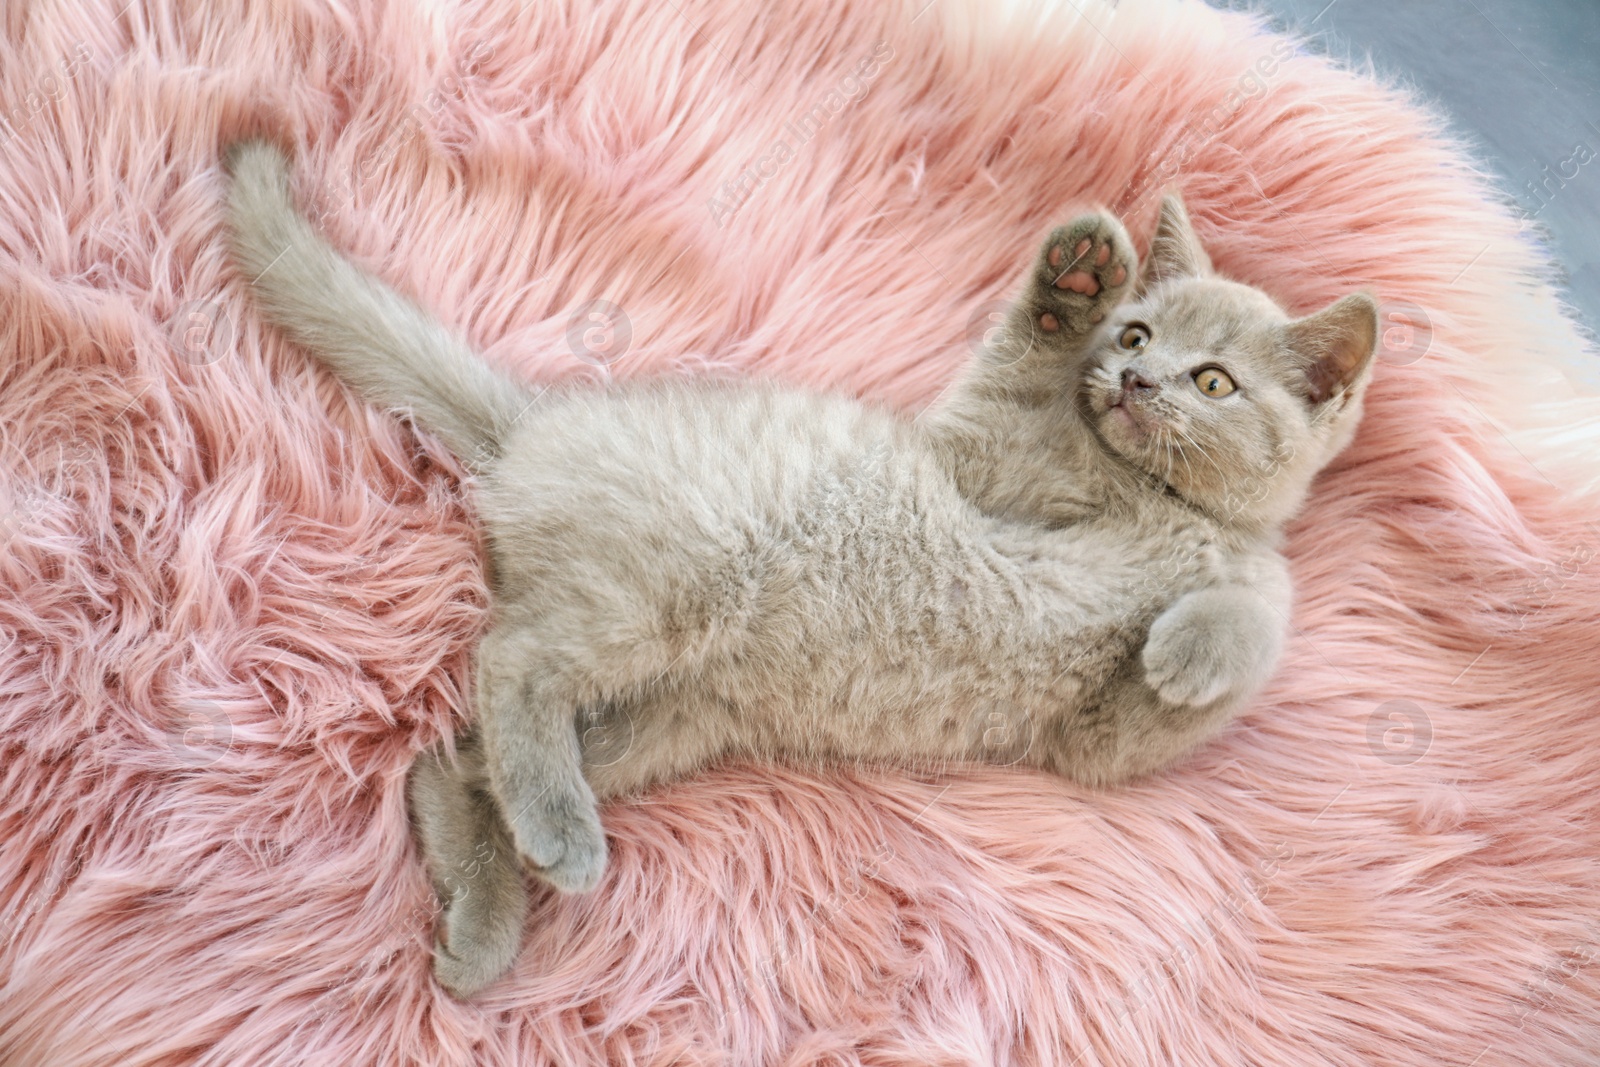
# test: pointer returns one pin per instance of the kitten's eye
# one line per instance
(1135, 336)
(1213, 382)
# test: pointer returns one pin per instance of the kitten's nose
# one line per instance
(1134, 383)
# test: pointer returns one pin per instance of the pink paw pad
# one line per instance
(1079, 281)
(1105, 254)
(1048, 323)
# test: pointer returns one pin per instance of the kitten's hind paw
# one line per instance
(559, 832)
(478, 942)
(465, 977)
(1083, 272)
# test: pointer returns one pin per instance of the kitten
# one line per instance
(1069, 562)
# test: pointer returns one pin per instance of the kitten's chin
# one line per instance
(1127, 429)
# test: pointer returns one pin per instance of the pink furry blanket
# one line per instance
(234, 601)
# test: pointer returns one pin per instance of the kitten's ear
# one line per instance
(1175, 251)
(1335, 345)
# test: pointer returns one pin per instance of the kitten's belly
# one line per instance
(951, 687)
(830, 592)
(961, 640)
(894, 647)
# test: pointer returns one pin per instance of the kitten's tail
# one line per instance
(396, 354)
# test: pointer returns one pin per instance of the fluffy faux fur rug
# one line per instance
(235, 601)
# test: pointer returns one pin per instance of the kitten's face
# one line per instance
(1208, 385)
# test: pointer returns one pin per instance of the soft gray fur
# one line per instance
(1069, 562)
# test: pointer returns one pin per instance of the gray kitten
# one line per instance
(1069, 562)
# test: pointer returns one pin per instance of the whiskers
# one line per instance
(1177, 448)
(1098, 380)
(1189, 443)
(1163, 435)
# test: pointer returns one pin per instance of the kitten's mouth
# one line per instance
(1129, 418)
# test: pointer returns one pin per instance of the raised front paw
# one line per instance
(1083, 272)
(559, 832)
(1212, 645)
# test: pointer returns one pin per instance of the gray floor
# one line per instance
(1521, 78)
